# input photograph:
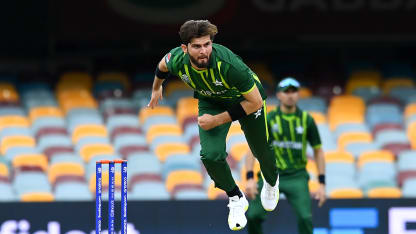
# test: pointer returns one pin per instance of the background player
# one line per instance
(290, 129)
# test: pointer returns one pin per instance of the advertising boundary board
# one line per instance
(366, 216)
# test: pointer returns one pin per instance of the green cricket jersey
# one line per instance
(226, 78)
(289, 135)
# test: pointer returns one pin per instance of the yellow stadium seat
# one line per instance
(78, 103)
(183, 114)
(353, 137)
(14, 141)
(13, 121)
(74, 93)
(7, 95)
(175, 85)
(115, 76)
(410, 110)
(31, 160)
(66, 94)
(375, 156)
(65, 86)
(270, 108)
(305, 92)
(76, 78)
(366, 75)
(353, 84)
(311, 167)
(343, 120)
(340, 116)
(342, 109)
(161, 130)
(235, 129)
(384, 192)
(4, 170)
(186, 108)
(313, 186)
(105, 180)
(88, 130)
(346, 193)
(37, 197)
(186, 102)
(67, 101)
(319, 117)
(63, 169)
(89, 151)
(44, 111)
(411, 134)
(239, 150)
(339, 156)
(397, 82)
(6, 86)
(163, 151)
(158, 110)
(347, 100)
(183, 177)
(214, 193)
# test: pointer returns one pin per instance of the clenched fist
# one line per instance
(207, 121)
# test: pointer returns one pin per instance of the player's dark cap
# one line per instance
(287, 83)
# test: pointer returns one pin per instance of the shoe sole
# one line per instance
(238, 228)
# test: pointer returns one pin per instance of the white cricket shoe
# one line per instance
(236, 218)
(270, 195)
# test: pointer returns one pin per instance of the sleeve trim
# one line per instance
(251, 89)
(318, 146)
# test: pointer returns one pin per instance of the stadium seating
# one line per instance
(52, 134)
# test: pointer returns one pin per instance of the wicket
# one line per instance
(111, 190)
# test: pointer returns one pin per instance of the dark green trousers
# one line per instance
(213, 149)
(295, 187)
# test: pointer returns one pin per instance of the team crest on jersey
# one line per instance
(185, 78)
(167, 57)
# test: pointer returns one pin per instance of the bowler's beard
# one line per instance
(289, 107)
(198, 64)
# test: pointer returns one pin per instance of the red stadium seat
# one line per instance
(404, 175)
(380, 127)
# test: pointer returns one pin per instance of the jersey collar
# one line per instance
(297, 112)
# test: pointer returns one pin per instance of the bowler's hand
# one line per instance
(251, 188)
(156, 95)
(207, 121)
(320, 195)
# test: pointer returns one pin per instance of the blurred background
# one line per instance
(75, 77)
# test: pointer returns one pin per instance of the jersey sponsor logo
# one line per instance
(217, 83)
(299, 130)
(288, 144)
(210, 93)
(185, 78)
(275, 127)
(167, 57)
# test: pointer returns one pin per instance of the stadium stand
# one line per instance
(51, 136)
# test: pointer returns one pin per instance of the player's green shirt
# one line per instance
(289, 135)
(226, 78)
